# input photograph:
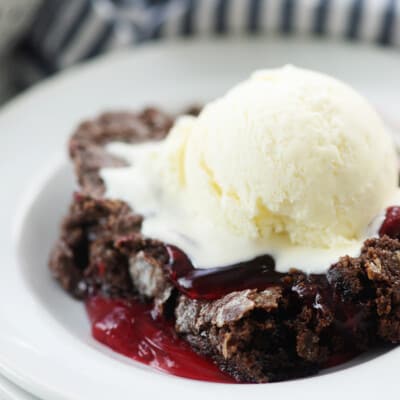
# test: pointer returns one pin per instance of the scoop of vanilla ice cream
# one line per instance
(288, 152)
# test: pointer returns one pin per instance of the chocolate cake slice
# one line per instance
(291, 328)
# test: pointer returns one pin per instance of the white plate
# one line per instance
(45, 343)
(9, 391)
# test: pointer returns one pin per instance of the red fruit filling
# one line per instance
(128, 328)
(391, 224)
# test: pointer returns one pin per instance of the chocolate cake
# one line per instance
(292, 327)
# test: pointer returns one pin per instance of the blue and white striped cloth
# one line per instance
(67, 31)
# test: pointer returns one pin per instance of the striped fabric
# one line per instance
(68, 31)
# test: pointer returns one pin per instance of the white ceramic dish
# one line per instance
(45, 342)
(9, 391)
